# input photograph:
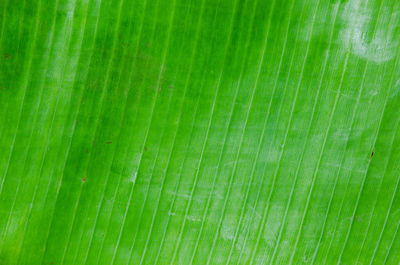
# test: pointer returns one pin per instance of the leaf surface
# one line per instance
(199, 132)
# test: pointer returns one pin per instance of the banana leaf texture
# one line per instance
(199, 132)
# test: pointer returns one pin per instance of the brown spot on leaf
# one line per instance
(84, 179)
(108, 142)
(8, 56)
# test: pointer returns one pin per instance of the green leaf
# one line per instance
(203, 131)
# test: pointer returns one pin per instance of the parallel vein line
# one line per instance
(148, 238)
(177, 244)
(146, 137)
(107, 177)
(44, 155)
(380, 185)
(320, 156)
(191, 130)
(31, 130)
(100, 110)
(241, 139)
(247, 45)
(307, 137)
(369, 162)
(73, 127)
(265, 211)
(397, 183)
(228, 42)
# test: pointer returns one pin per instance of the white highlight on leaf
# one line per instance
(357, 33)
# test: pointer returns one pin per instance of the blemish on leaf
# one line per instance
(108, 142)
(84, 179)
(8, 56)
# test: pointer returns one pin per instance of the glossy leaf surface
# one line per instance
(199, 132)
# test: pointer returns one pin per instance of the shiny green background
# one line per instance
(199, 131)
